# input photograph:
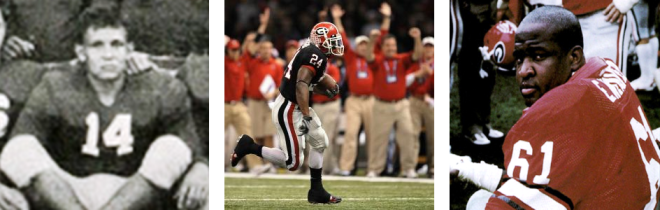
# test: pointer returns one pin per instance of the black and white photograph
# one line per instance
(104, 104)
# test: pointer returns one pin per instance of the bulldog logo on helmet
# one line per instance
(322, 31)
(498, 52)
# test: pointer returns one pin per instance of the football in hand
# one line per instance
(327, 84)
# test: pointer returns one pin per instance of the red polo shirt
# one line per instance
(395, 69)
(258, 69)
(421, 86)
(358, 74)
(234, 79)
(333, 71)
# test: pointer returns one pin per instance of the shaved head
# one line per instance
(548, 49)
(560, 23)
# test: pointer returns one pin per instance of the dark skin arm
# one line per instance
(302, 89)
(49, 190)
(416, 34)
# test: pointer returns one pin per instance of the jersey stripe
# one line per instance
(531, 197)
(280, 119)
(311, 68)
(294, 137)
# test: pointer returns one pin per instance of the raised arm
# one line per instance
(386, 11)
(263, 21)
(249, 44)
(416, 35)
(337, 13)
(373, 36)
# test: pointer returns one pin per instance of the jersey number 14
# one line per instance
(118, 134)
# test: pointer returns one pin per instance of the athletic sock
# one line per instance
(316, 178)
(647, 58)
(275, 156)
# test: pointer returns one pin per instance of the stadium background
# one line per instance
(293, 20)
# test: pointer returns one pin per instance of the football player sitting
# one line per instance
(91, 137)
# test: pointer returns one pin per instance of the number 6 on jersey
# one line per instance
(118, 134)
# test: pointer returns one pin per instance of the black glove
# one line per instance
(332, 92)
(304, 128)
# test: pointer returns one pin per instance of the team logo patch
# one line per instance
(322, 31)
(498, 52)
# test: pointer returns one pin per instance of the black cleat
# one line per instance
(321, 196)
(242, 149)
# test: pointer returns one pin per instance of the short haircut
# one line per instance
(386, 37)
(565, 27)
(98, 17)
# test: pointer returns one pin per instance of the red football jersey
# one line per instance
(584, 145)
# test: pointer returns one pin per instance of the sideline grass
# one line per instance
(262, 193)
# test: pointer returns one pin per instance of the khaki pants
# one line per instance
(329, 115)
(386, 116)
(237, 116)
(358, 111)
(422, 114)
(260, 114)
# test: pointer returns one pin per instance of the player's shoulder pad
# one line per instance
(308, 50)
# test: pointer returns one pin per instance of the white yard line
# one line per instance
(328, 177)
(343, 199)
(333, 186)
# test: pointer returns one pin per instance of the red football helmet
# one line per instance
(500, 40)
(327, 38)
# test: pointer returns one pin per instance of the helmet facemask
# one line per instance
(334, 45)
(329, 45)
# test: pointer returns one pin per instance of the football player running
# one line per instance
(295, 121)
(90, 137)
(582, 143)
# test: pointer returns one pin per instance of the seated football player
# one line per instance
(582, 143)
(91, 137)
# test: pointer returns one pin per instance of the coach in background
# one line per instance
(359, 104)
(421, 102)
(262, 69)
(328, 110)
(391, 105)
(236, 113)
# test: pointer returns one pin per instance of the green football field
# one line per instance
(268, 193)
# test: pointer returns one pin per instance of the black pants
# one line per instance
(474, 91)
